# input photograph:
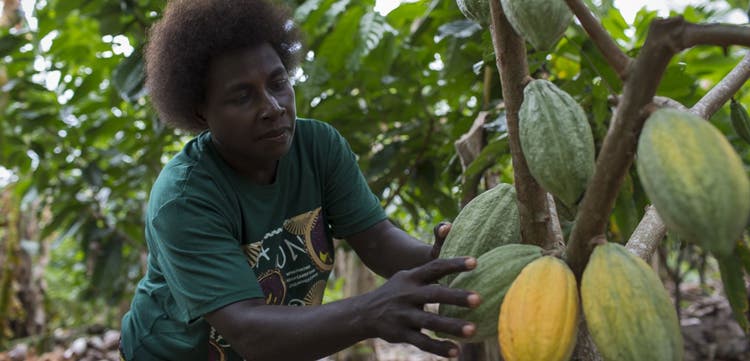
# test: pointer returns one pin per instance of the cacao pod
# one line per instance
(539, 315)
(740, 120)
(694, 178)
(492, 277)
(556, 140)
(475, 10)
(540, 22)
(487, 221)
(627, 310)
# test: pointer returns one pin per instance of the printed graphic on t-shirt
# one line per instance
(291, 263)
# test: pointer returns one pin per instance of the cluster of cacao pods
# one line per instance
(531, 301)
(540, 22)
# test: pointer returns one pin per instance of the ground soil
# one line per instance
(709, 330)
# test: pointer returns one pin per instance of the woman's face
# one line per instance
(250, 107)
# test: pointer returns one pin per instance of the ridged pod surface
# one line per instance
(475, 10)
(556, 140)
(492, 278)
(488, 221)
(695, 179)
(539, 315)
(628, 312)
(540, 22)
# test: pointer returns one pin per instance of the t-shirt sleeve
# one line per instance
(349, 203)
(201, 260)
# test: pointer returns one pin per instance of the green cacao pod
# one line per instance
(740, 120)
(494, 274)
(539, 315)
(488, 221)
(475, 10)
(540, 22)
(694, 178)
(627, 310)
(556, 140)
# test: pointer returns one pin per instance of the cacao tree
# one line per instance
(83, 145)
(695, 178)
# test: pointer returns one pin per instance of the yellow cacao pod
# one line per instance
(628, 312)
(539, 315)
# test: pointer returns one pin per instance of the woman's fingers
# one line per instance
(435, 293)
(438, 347)
(442, 324)
(438, 268)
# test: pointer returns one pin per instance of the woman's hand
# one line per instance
(395, 312)
(441, 233)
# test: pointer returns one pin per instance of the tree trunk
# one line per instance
(22, 311)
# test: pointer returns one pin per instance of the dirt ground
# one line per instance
(708, 328)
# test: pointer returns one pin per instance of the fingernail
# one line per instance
(468, 329)
(474, 300)
(453, 352)
(471, 262)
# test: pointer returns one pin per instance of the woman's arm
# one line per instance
(393, 312)
(386, 249)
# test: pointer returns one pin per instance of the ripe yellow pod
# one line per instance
(539, 315)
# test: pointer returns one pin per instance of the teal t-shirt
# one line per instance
(215, 238)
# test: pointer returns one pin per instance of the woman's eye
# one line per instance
(280, 83)
(241, 98)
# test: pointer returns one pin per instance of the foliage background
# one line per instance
(84, 146)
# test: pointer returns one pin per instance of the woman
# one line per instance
(239, 224)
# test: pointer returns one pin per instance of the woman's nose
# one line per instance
(271, 107)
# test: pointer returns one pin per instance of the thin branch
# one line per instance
(616, 58)
(724, 90)
(647, 235)
(554, 224)
(510, 57)
(713, 34)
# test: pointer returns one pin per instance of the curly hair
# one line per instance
(192, 32)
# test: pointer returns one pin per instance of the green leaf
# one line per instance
(458, 29)
(10, 43)
(339, 46)
(129, 77)
(734, 288)
(625, 216)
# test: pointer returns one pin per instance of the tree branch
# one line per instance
(713, 34)
(554, 224)
(651, 229)
(647, 235)
(619, 145)
(723, 91)
(666, 38)
(510, 57)
(616, 58)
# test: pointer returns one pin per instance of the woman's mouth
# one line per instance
(276, 135)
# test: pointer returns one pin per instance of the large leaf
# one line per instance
(129, 77)
(733, 280)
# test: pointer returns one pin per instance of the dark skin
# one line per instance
(250, 111)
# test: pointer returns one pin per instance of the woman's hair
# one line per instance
(192, 32)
